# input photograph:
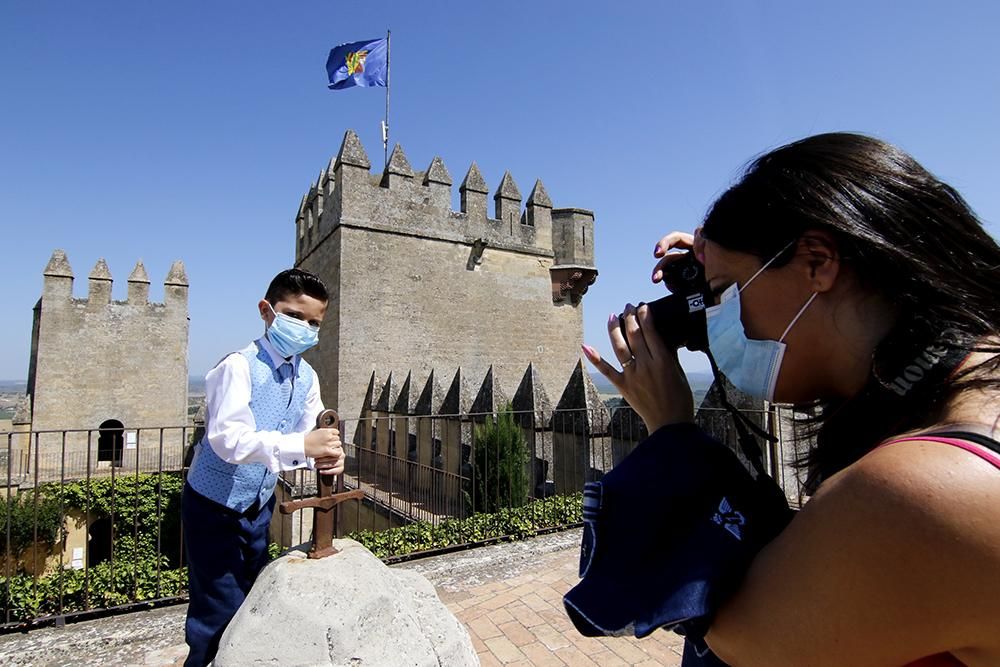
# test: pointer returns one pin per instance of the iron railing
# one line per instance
(86, 531)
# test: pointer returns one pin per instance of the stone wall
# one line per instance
(416, 285)
(96, 359)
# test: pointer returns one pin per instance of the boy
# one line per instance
(260, 417)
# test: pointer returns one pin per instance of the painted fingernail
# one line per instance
(657, 276)
(612, 318)
(589, 351)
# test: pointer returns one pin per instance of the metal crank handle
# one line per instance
(327, 419)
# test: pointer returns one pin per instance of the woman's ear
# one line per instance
(820, 256)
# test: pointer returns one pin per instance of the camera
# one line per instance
(679, 318)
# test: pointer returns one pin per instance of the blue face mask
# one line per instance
(751, 365)
(291, 336)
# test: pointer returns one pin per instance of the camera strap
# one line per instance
(749, 445)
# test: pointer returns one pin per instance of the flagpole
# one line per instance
(385, 125)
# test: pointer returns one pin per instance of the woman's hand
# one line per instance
(651, 379)
(679, 241)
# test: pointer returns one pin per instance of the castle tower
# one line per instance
(415, 285)
(96, 361)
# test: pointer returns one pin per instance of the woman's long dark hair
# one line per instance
(909, 237)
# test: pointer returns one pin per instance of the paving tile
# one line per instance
(517, 633)
(504, 649)
(484, 628)
(522, 590)
(471, 614)
(549, 594)
(659, 650)
(571, 655)
(607, 658)
(588, 645)
(628, 651)
(541, 656)
(487, 659)
(492, 587)
(528, 618)
(534, 602)
(500, 616)
(551, 637)
(498, 601)
(556, 617)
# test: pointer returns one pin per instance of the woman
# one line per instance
(868, 291)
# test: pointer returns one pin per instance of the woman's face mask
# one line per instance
(751, 365)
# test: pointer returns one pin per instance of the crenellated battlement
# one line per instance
(58, 285)
(402, 201)
(489, 289)
(96, 359)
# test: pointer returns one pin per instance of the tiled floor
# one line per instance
(516, 616)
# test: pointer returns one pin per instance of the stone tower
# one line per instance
(415, 285)
(97, 363)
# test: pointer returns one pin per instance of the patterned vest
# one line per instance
(237, 486)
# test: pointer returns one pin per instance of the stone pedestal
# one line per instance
(347, 609)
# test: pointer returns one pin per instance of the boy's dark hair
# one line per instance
(293, 282)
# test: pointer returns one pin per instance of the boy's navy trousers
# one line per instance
(226, 550)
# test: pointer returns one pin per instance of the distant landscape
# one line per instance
(12, 390)
(698, 382)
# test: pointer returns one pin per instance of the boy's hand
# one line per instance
(331, 465)
(323, 445)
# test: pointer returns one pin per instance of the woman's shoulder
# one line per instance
(934, 508)
(892, 559)
(946, 481)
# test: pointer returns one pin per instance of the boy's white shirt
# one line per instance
(231, 427)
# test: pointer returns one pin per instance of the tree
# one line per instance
(500, 461)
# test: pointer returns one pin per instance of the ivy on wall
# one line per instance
(142, 549)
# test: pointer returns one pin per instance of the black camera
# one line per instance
(679, 318)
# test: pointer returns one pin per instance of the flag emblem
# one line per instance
(356, 62)
(730, 519)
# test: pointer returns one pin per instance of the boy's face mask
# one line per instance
(289, 335)
(751, 365)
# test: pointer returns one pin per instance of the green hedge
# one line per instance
(512, 523)
(146, 504)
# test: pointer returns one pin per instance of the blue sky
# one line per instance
(189, 130)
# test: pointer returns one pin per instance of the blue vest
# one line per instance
(237, 486)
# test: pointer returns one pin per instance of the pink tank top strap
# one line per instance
(979, 450)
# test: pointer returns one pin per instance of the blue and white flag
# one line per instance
(363, 64)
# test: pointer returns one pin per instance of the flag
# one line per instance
(363, 64)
